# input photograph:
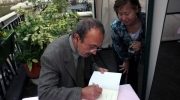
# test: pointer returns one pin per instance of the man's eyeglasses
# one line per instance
(99, 48)
(92, 48)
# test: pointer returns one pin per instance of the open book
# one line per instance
(109, 82)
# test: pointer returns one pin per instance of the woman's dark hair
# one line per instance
(133, 4)
(86, 25)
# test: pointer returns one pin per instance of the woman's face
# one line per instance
(127, 15)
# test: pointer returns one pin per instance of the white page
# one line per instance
(108, 95)
(108, 80)
(30, 98)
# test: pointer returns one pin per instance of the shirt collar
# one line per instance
(74, 51)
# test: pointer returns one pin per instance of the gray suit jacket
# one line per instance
(58, 80)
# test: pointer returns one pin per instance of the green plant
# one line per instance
(33, 40)
(3, 34)
(41, 28)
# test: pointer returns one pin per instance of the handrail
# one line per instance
(4, 18)
(10, 21)
(85, 14)
(8, 66)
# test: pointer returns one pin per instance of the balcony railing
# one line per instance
(8, 67)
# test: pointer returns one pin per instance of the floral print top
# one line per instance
(121, 39)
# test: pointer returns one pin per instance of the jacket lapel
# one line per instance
(71, 69)
(68, 60)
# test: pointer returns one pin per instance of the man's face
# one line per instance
(127, 15)
(92, 41)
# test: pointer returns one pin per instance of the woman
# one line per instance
(128, 35)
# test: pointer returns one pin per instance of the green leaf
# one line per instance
(35, 60)
(29, 63)
(26, 38)
(36, 28)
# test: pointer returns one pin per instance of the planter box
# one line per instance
(34, 73)
(6, 47)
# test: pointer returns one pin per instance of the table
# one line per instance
(126, 92)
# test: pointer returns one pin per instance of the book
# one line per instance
(109, 82)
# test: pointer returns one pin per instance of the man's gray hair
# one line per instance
(86, 25)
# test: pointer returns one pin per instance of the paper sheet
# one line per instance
(31, 98)
(108, 95)
(108, 80)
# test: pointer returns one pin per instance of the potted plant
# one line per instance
(33, 42)
(41, 28)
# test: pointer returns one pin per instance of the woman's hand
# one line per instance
(125, 67)
(137, 46)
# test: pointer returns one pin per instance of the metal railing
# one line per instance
(8, 66)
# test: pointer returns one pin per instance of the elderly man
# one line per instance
(61, 77)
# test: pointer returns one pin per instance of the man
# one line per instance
(58, 77)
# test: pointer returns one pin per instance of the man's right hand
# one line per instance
(91, 92)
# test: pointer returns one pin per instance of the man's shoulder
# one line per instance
(61, 40)
(59, 45)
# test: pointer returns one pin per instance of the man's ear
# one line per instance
(76, 36)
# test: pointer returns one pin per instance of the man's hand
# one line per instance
(102, 70)
(91, 92)
(124, 66)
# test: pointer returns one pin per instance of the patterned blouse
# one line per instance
(121, 39)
